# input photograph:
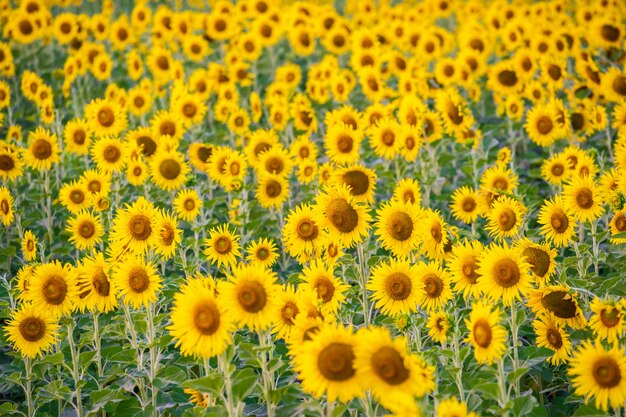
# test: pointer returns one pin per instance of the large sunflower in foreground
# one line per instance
(32, 330)
(200, 324)
(504, 274)
(487, 336)
(600, 374)
(386, 366)
(337, 211)
(325, 364)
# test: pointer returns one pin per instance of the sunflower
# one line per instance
(505, 218)
(222, 246)
(286, 311)
(487, 336)
(6, 206)
(451, 407)
(361, 181)
(75, 196)
(259, 141)
(32, 331)
(384, 138)
(557, 224)
(199, 155)
(463, 267)
(342, 144)
(272, 190)
(499, 179)
(199, 322)
(97, 182)
(134, 227)
(555, 169)
(326, 364)
(86, 229)
(303, 149)
(168, 169)
(408, 190)
(438, 325)
(136, 172)
(137, 281)
(433, 234)
(504, 274)
(77, 136)
(394, 285)
(336, 210)
(53, 288)
(320, 279)
(301, 234)
(10, 163)
(263, 252)
(560, 302)
(552, 336)
(582, 198)
(307, 171)
(96, 288)
(607, 321)
(453, 111)
(599, 373)
(275, 160)
(190, 108)
(433, 285)
(397, 227)
(42, 151)
(169, 235)
(617, 226)
(541, 258)
(386, 366)
(187, 204)
(465, 204)
(109, 154)
(106, 118)
(249, 295)
(614, 84)
(29, 245)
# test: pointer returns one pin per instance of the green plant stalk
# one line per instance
(154, 361)
(504, 394)
(458, 378)
(514, 335)
(330, 408)
(75, 370)
(224, 365)
(133, 342)
(595, 245)
(97, 344)
(268, 383)
(28, 389)
(363, 283)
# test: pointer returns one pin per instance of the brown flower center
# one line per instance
(398, 286)
(560, 303)
(469, 269)
(554, 338)
(167, 234)
(400, 226)
(206, 318)
(388, 364)
(506, 273)
(544, 125)
(252, 296)
(42, 149)
(6, 163)
(584, 198)
(436, 232)
(610, 317)
(557, 170)
(138, 279)
(32, 328)
(77, 196)
(273, 188)
(79, 137)
(289, 312)
(223, 245)
(539, 261)
(100, 283)
(140, 227)
(468, 205)
(55, 290)
(189, 204)
(358, 182)
(262, 254)
(147, 144)
(606, 372)
(619, 85)
(342, 215)
(87, 229)
(190, 110)
(170, 169)
(559, 221)
(274, 165)
(507, 219)
(507, 78)
(325, 289)
(388, 137)
(307, 229)
(4, 207)
(482, 333)
(112, 154)
(106, 117)
(609, 32)
(336, 362)
(433, 285)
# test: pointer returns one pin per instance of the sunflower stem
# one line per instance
(504, 395)
(514, 334)
(457, 358)
(224, 365)
(154, 362)
(267, 376)
(363, 283)
(97, 344)
(595, 246)
(28, 390)
(75, 369)
(330, 409)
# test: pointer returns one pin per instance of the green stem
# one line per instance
(595, 246)
(224, 365)
(330, 408)
(97, 344)
(457, 358)
(75, 369)
(267, 376)
(504, 395)
(154, 354)
(29, 389)
(514, 335)
(363, 283)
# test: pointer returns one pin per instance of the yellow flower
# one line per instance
(222, 246)
(7, 213)
(487, 336)
(137, 281)
(504, 274)
(552, 336)
(53, 288)
(398, 227)
(31, 330)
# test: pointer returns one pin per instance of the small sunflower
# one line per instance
(505, 218)
(408, 190)
(557, 224)
(395, 287)
(541, 258)
(465, 205)
(86, 229)
(109, 154)
(75, 196)
(137, 281)
(134, 227)
(438, 325)
(263, 252)
(106, 118)
(463, 267)
(360, 180)
(582, 198)
(301, 233)
(7, 213)
(42, 151)
(556, 169)
(504, 274)
(321, 280)
(398, 227)
(342, 144)
(552, 336)
(451, 407)
(272, 190)
(98, 292)
(487, 336)
(169, 236)
(29, 246)
(168, 169)
(53, 288)
(433, 286)
(286, 311)
(222, 246)
(433, 234)
(607, 321)
(187, 204)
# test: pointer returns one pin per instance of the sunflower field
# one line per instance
(312, 208)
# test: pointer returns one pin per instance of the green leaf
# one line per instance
(212, 384)
(117, 354)
(522, 405)
(106, 396)
(85, 358)
(588, 410)
(54, 390)
(514, 376)
(491, 390)
(56, 359)
(244, 381)
(170, 375)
